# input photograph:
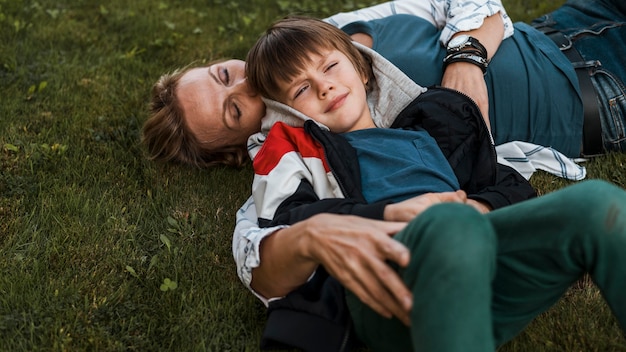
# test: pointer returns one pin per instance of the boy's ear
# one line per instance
(365, 82)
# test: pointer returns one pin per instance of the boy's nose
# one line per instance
(324, 87)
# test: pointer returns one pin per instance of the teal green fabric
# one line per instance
(411, 154)
(525, 77)
(478, 280)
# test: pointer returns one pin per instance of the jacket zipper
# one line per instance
(346, 336)
(482, 120)
(339, 181)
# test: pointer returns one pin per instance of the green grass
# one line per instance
(90, 230)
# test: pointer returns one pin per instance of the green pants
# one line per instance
(478, 280)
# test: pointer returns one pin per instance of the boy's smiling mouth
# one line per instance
(336, 103)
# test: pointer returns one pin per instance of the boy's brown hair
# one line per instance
(285, 48)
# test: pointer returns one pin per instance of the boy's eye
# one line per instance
(300, 91)
(331, 66)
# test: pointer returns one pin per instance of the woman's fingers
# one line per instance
(378, 286)
(356, 252)
(391, 291)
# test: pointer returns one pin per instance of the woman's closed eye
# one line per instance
(225, 76)
(236, 112)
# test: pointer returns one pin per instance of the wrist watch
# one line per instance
(463, 41)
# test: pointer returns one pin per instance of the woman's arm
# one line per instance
(485, 20)
(410, 7)
(459, 16)
(467, 77)
(247, 238)
(352, 249)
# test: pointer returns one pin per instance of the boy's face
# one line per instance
(330, 91)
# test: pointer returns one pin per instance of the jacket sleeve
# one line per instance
(510, 188)
(455, 16)
(304, 203)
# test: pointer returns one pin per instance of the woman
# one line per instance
(235, 108)
(530, 92)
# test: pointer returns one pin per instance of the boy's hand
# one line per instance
(407, 210)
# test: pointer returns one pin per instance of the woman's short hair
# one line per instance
(167, 136)
(271, 62)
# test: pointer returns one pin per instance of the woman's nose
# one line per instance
(242, 86)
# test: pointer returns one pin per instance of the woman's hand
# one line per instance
(354, 250)
(407, 210)
(468, 78)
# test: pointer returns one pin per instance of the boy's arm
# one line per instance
(510, 188)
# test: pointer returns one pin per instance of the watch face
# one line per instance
(458, 41)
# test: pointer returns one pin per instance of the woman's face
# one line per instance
(218, 104)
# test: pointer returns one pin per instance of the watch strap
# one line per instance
(462, 56)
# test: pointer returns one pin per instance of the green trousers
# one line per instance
(478, 280)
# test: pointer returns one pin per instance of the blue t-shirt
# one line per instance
(533, 89)
(399, 164)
